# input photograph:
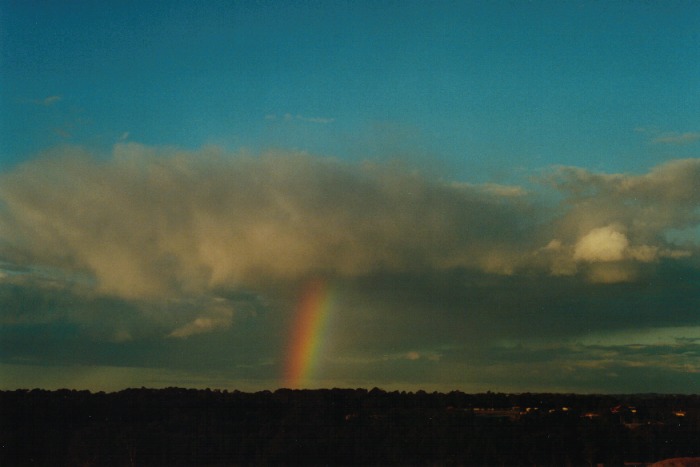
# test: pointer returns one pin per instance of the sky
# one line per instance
(443, 196)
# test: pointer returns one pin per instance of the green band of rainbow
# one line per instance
(307, 334)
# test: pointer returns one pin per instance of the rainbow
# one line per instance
(308, 332)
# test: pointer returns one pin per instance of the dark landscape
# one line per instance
(177, 426)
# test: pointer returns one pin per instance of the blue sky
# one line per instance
(491, 188)
(481, 86)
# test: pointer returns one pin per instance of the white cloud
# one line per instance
(602, 244)
(201, 325)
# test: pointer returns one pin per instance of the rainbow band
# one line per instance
(307, 334)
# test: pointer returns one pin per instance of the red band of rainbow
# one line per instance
(303, 352)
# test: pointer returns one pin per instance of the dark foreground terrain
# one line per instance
(342, 426)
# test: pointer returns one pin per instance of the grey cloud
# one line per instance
(671, 186)
(622, 220)
(470, 309)
(147, 224)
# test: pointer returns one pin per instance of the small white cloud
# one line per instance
(201, 325)
(554, 245)
(601, 245)
(124, 136)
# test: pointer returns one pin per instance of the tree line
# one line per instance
(176, 426)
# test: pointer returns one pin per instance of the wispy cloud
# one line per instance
(47, 101)
(301, 118)
(677, 138)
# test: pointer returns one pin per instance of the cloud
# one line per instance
(677, 138)
(669, 137)
(47, 101)
(601, 244)
(200, 325)
(151, 223)
(146, 224)
(301, 118)
(182, 259)
(610, 245)
(218, 314)
(619, 218)
(493, 188)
